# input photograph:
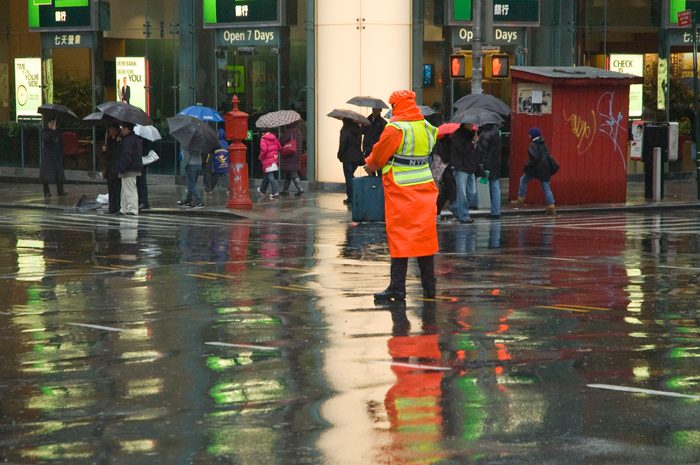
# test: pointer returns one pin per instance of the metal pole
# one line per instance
(695, 98)
(656, 170)
(476, 48)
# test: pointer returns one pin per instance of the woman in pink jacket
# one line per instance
(269, 157)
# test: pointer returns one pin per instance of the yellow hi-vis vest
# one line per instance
(409, 165)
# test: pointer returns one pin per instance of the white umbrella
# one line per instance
(147, 132)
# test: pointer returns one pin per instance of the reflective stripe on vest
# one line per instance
(418, 141)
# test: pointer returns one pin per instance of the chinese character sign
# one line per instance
(222, 12)
(504, 11)
(61, 14)
(132, 80)
(27, 88)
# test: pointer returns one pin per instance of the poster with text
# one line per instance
(27, 89)
(132, 81)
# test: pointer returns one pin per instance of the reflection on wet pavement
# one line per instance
(162, 340)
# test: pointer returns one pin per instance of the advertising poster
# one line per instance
(27, 89)
(535, 99)
(631, 64)
(662, 84)
(132, 80)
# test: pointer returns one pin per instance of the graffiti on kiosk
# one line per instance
(611, 124)
(582, 130)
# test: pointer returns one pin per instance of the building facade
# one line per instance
(310, 56)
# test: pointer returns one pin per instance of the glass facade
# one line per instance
(198, 54)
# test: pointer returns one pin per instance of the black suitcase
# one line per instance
(367, 199)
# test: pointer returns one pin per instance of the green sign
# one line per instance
(511, 12)
(60, 14)
(227, 13)
(676, 6)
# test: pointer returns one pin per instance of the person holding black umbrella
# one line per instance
(350, 153)
(129, 162)
(372, 132)
(111, 174)
(51, 169)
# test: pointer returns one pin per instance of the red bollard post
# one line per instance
(236, 130)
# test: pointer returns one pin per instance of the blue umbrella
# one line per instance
(203, 113)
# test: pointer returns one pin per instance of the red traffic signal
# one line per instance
(500, 66)
(460, 66)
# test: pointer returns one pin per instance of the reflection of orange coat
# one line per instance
(409, 210)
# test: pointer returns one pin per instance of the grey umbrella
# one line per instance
(353, 115)
(477, 116)
(125, 113)
(54, 110)
(194, 134)
(424, 110)
(367, 101)
(276, 119)
(485, 101)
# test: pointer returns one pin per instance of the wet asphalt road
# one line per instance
(173, 340)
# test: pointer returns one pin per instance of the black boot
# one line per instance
(427, 275)
(300, 190)
(397, 286)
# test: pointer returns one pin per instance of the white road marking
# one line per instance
(243, 346)
(106, 328)
(641, 391)
(412, 365)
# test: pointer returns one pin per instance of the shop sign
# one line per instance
(631, 64)
(66, 40)
(221, 13)
(132, 80)
(62, 14)
(501, 36)
(511, 12)
(27, 89)
(247, 37)
(678, 37)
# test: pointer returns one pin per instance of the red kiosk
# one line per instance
(583, 115)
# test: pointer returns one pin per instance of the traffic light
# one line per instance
(460, 66)
(498, 66)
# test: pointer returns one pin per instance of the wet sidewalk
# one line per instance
(23, 191)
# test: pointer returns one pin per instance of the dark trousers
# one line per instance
(114, 191)
(349, 172)
(207, 175)
(399, 268)
(142, 187)
(448, 191)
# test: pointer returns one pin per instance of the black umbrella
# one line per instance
(477, 116)
(485, 101)
(425, 110)
(353, 115)
(366, 101)
(194, 134)
(100, 119)
(125, 113)
(53, 110)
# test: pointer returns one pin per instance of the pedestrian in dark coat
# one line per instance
(350, 153)
(488, 153)
(291, 165)
(129, 162)
(537, 167)
(464, 165)
(51, 169)
(111, 173)
(372, 132)
(448, 186)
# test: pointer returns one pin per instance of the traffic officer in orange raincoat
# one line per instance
(409, 193)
